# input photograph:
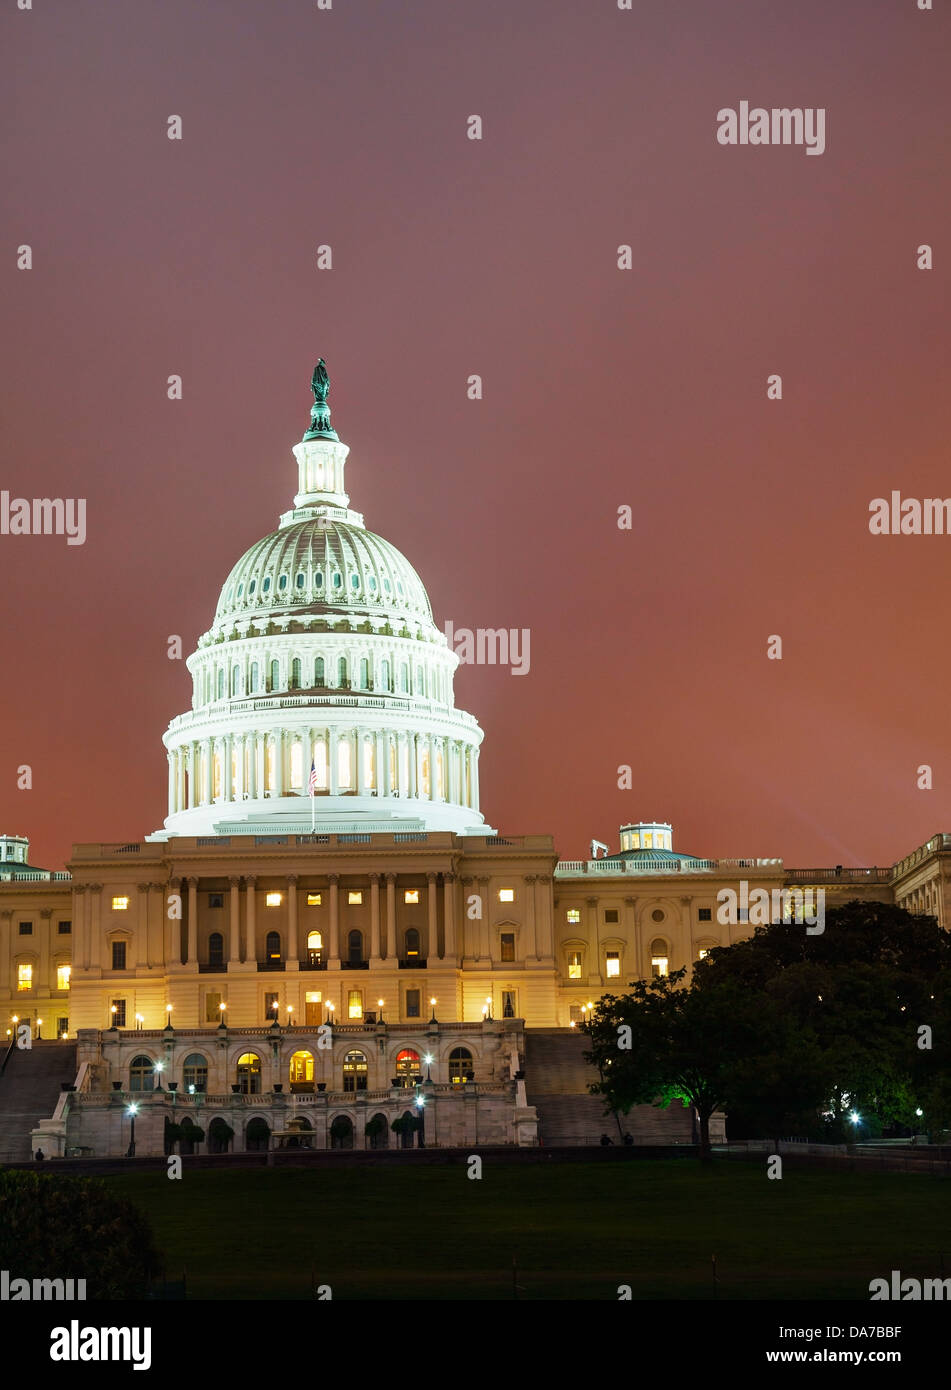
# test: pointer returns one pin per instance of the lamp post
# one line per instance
(139, 1020)
(487, 1011)
(113, 1012)
(379, 1004)
(330, 1012)
(428, 1059)
(39, 1030)
(432, 1005)
(157, 1072)
(221, 1015)
(132, 1112)
(421, 1117)
(290, 1015)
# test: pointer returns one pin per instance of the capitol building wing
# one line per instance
(325, 945)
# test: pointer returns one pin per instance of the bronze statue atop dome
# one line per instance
(320, 411)
(320, 382)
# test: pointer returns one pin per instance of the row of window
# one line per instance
(62, 928)
(612, 915)
(265, 677)
(26, 976)
(318, 1010)
(145, 1074)
(337, 584)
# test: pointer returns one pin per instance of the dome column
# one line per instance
(207, 771)
(279, 763)
(172, 808)
(226, 788)
(333, 760)
(360, 769)
(382, 767)
(192, 774)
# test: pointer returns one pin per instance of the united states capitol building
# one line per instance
(325, 939)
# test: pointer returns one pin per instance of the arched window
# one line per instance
(384, 675)
(315, 947)
(249, 1073)
(141, 1074)
(297, 764)
(282, 583)
(273, 946)
(344, 775)
(216, 948)
(221, 683)
(369, 762)
(659, 957)
(355, 1071)
(338, 581)
(320, 762)
(355, 947)
(412, 943)
(319, 671)
(301, 1068)
(319, 579)
(254, 677)
(407, 1066)
(342, 672)
(378, 1132)
(266, 586)
(364, 673)
(275, 675)
(460, 1066)
(251, 587)
(299, 581)
(235, 680)
(195, 1072)
(404, 678)
(420, 682)
(295, 673)
(257, 1135)
(220, 1135)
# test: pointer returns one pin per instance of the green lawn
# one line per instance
(577, 1230)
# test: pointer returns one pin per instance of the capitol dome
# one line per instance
(322, 693)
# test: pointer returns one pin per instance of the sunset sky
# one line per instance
(602, 387)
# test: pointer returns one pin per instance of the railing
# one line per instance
(839, 875)
(35, 876)
(570, 868)
(413, 964)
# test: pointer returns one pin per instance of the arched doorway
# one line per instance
(408, 1070)
(301, 1072)
(355, 1071)
(378, 1132)
(405, 1127)
(341, 1132)
(460, 1066)
(257, 1135)
(249, 1074)
(220, 1135)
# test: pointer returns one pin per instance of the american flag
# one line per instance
(312, 784)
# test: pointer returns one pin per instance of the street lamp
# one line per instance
(39, 1029)
(113, 1011)
(158, 1069)
(221, 1015)
(420, 1105)
(168, 1019)
(487, 1011)
(379, 1004)
(428, 1059)
(290, 1015)
(432, 1004)
(139, 1020)
(131, 1112)
(330, 1011)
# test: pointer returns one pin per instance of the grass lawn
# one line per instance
(576, 1230)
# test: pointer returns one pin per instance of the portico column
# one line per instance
(449, 921)
(411, 763)
(432, 766)
(360, 779)
(279, 762)
(432, 946)
(291, 917)
(226, 788)
(529, 943)
(389, 945)
(234, 905)
(95, 924)
(80, 942)
(374, 917)
(194, 794)
(251, 947)
(381, 769)
(334, 917)
(484, 922)
(192, 921)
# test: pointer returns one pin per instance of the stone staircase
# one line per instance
(556, 1083)
(30, 1087)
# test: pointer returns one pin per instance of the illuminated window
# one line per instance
(612, 960)
(412, 944)
(411, 895)
(312, 1001)
(301, 1068)
(506, 895)
(141, 1074)
(62, 1027)
(63, 973)
(659, 958)
(273, 899)
(412, 1003)
(213, 1013)
(573, 914)
(648, 840)
(118, 955)
(507, 945)
(249, 1073)
(703, 953)
(272, 946)
(354, 1003)
(313, 900)
(574, 965)
(117, 1013)
(343, 765)
(120, 904)
(407, 1066)
(297, 763)
(355, 896)
(24, 977)
(574, 1013)
(460, 1066)
(509, 1003)
(355, 1071)
(369, 763)
(270, 1006)
(195, 1072)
